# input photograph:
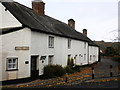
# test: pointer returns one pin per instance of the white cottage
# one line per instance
(30, 40)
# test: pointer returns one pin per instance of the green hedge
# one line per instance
(51, 71)
(68, 70)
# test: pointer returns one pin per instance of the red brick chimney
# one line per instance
(85, 32)
(38, 6)
(71, 23)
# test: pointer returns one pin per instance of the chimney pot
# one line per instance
(38, 6)
(71, 23)
(85, 32)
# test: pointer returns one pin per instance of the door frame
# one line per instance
(34, 72)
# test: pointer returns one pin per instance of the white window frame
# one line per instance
(85, 57)
(69, 43)
(85, 45)
(50, 59)
(94, 57)
(69, 56)
(12, 64)
(51, 42)
(42, 57)
(90, 57)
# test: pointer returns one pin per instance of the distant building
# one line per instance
(31, 40)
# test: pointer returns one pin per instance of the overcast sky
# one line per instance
(99, 17)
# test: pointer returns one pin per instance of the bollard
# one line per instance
(66, 78)
(111, 74)
(92, 72)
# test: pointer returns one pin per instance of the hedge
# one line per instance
(51, 71)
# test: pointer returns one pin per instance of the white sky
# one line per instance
(99, 17)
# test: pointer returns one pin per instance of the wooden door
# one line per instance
(34, 71)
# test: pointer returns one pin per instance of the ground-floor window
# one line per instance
(50, 59)
(94, 57)
(90, 57)
(84, 56)
(69, 56)
(12, 63)
(69, 59)
(80, 57)
(43, 58)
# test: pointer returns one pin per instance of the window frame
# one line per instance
(69, 56)
(42, 57)
(12, 63)
(85, 45)
(94, 57)
(50, 62)
(90, 57)
(84, 57)
(51, 42)
(69, 43)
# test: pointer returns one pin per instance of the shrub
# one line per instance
(51, 71)
(76, 68)
(70, 62)
(68, 70)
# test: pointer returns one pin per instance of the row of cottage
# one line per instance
(30, 40)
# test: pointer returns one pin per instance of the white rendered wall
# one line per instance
(39, 46)
(9, 42)
(77, 48)
(93, 50)
(7, 19)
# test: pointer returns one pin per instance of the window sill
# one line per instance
(12, 70)
(51, 47)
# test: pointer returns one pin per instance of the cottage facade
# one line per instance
(30, 40)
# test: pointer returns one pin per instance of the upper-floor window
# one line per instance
(84, 44)
(51, 42)
(12, 63)
(69, 43)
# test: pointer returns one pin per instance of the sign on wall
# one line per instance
(22, 48)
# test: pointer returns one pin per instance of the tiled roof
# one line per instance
(45, 24)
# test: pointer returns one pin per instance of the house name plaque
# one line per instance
(22, 48)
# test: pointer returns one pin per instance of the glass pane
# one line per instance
(9, 66)
(13, 66)
(14, 60)
(9, 60)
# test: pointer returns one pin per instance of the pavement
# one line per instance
(82, 79)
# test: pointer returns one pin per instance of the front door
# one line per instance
(34, 71)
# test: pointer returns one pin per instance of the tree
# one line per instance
(110, 51)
